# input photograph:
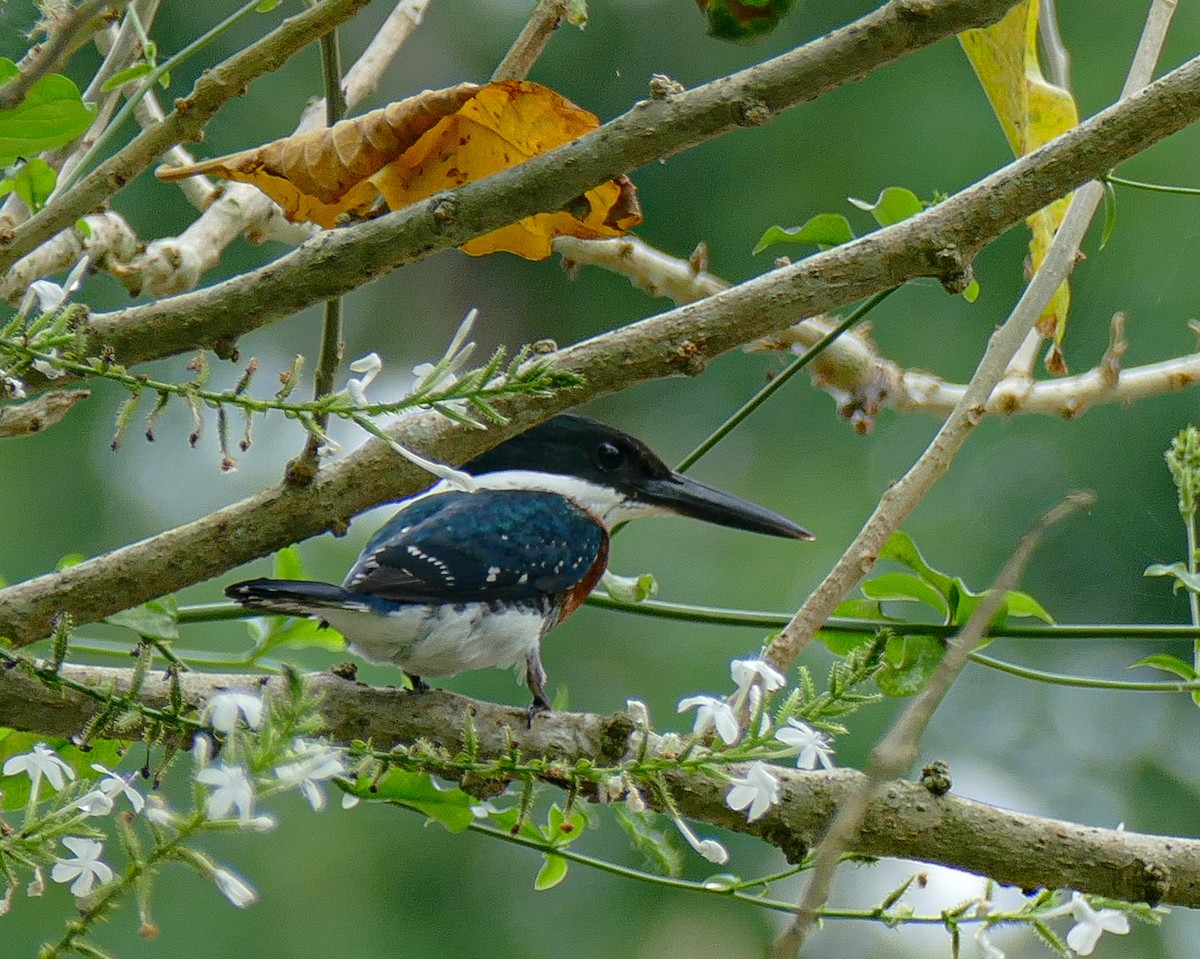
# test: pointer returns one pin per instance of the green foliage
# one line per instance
(32, 180)
(743, 20)
(273, 633)
(893, 204)
(51, 115)
(449, 806)
(156, 620)
(826, 230)
(661, 855)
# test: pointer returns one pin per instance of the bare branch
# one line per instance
(39, 413)
(532, 41)
(897, 751)
(903, 820)
(65, 36)
(191, 113)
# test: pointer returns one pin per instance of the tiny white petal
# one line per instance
(745, 671)
(989, 948)
(712, 712)
(234, 888)
(95, 803)
(1091, 923)
(639, 712)
(710, 849)
(756, 792)
(226, 706)
(370, 364)
(50, 296)
(37, 885)
(349, 800)
(812, 747)
(201, 750)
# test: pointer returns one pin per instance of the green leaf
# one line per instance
(1179, 572)
(902, 549)
(51, 116)
(288, 564)
(744, 20)
(85, 231)
(15, 789)
(841, 642)
(910, 661)
(904, 586)
(893, 205)
(656, 847)
(825, 230)
(1170, 664)
(1022, 604)
(157, 620)
(450, 807)
(553, 871)
(1110, 212)
(128, 75)
(971, 293)
(34, 181)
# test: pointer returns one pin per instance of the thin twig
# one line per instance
(67, 35)
(897, 751)
(532, 41)
(902, 497)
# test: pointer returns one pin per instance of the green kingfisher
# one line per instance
(459, 580)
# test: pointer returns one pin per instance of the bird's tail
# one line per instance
(291, 597)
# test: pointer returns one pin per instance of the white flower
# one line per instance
(349, 800)
(1090, 924)
(86, 868)
(95, 803)
(158, 813)
(712, 712)
(990, 949)
(49, 295)
(234, 888)
(47, 367)
(38, 762)
(746, 671)
(231, 789)
(201, 750)
(639, 712)
(369, 366)
(814, 747)
(226, 705)
(710, 849)
(115, 784)
(315, 763)
(758, 790)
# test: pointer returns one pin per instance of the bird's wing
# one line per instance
(487, 545)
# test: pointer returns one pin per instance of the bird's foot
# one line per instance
(418, 684)
(539, 705)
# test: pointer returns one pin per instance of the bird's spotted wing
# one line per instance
(488, 545)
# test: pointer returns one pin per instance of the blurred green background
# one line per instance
(377, 882)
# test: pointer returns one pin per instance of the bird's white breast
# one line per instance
(442, 640)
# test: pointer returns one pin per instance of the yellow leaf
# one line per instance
(435, 141)
(1031, 111)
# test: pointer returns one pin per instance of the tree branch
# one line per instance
(338, 261)
(938, 241)
(188, 119)
(904, 820)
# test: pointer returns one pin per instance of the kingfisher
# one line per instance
(459, 580)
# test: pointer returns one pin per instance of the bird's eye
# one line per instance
(609, 456)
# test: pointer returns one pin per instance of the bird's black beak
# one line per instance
(682, 496)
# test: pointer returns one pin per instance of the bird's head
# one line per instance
(615, 477)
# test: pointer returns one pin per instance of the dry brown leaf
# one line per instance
(323, 174)
(435, 141)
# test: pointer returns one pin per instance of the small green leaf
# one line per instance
(1110, 212)
(128, 75)
(266, 6)
(902, 549)
(1022, 604)
(903, 586)
(893, 205)
(1170, 664)
(288, 564)
(971, 293)
(34, 181)
(825, 230)
(157, 620)
(743, 20)
(553, 871)
(1179, 572)
(910, 661)
(84, 230)
(450, 807)
(51, 115)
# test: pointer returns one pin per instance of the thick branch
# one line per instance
(903, 820)
(339, 261)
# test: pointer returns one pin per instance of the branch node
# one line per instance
(750, 112)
